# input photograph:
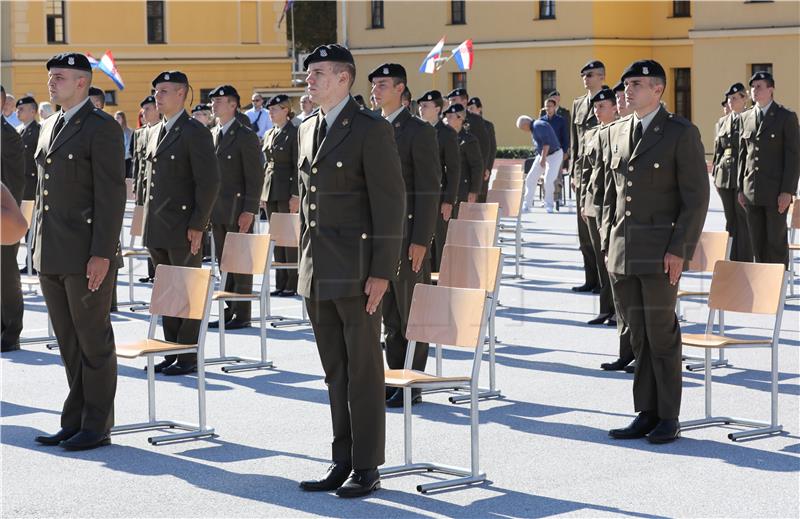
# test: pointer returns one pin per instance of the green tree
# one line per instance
(314, 23)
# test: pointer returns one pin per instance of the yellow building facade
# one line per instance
(234, 42)
(525, 48)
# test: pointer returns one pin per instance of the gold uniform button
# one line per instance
(628, 199)
(756, 148)
(364, 236)
(155, 159)
(172, 157)
(410, 216)
(69, 156)
(627, 213)
(338, 164)
(46, 175)
(47, 208)
(229, 157)
(756, 168)
(238, 195)
(630, 168)
(312, 223)
(656, 165)
(45, 192)
(313, 189)
(314, 170)
(151, 197)
(312, 207)
(49, 161)
(88, 220)
(756, 158)
(630, 183)
(183, 207)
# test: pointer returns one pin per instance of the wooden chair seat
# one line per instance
(702, 340)
(27, 279)
(222, 294)
(690, 293)
(284, 264)
(407, 377)
(131, 350)
(135, 253)
(794, 246)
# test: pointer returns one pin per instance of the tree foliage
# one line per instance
(314, 23)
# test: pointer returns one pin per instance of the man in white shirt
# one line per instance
(259, 117)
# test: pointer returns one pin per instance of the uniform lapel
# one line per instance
(621, 146)
(69, 130)
(306, 150)
(338, 130)
(652, 135)
(228, 137)
(768, 120)
(400, 121)
(171, 135)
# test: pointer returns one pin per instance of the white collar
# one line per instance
(646, 120)
(334, 112)
(72, 111)
(392, 116)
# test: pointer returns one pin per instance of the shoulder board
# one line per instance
(678, 119)
(101, 114)
(369, 113)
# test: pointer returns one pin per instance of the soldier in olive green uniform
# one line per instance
(430, 109)
(13, 177)
(725, 162)
(593, 74)
(475, 107)
(769, 165)
(139, 140)
(239, 159)
(182, 184)
(472, 163)
(474, 124)
(30, 138)
(419, 158)
(655, 205)
(280, 188)
(80, 206)
(352, 199)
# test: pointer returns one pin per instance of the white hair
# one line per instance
(45, 110)
(524, 122)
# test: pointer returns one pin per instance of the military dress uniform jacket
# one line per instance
(726, 152)
(769, 160)
(241, 175)
(475, 125)
(352, 204)
(82, 193)
(582, 120)
(472, 165)
(422, 174)
(30, 139)
(656, 194)
(182, 183)
(139, 142)
(600, 159)
(592, 153)
(450, 161)
(280, 150)
(492, 145)
(13, 160)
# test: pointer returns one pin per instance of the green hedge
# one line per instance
(514, 152)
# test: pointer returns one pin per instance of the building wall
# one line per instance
(213, 42)
(718, 42)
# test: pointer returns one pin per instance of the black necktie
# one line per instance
(637, 134)
(57, 128)
(161, 134)
(759, 117)
(217, 138)
(322, 130)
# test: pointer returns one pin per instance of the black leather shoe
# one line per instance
(597, 289)
(360, 483)
(55, 439)
(146, 280)
(85, 440)
(600, 319)
(612, 321)
(24, 271)
(397, 398)
(630, 368)
(617, 365)
(179, 369)
(276, 292)
(583, 288)
(287, 293)
(236, 324)
(7, 346)
(168, 361)
(333, 479)
(667, 431)
(639, 427)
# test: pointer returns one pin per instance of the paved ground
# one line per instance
(544, 447)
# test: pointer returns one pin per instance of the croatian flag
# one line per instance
(107, 65)
(429, 65)
(463, 55)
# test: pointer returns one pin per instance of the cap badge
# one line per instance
(760, 76)
(166, 77)
(645, 70)
(602, 96)
(221, 92)
(71, 60)
(385, 70)
(323, 53)
(430, 97)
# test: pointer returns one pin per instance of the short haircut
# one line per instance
(550, 100)
(654, 81)
(339, 67)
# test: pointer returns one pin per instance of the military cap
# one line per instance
(458, 92)
(27, 100)
(202, 107)
(644, 68)
(734, 89)
(619, 87)
(430, 95)
(605, 94)
(388, 70)
(280, 98)
(331, 52)
(147, 100)
(222, 91)
(73, 60)
(94, 91)
(171, 76)
(554, 93)
(454, 108)
(766, 76)
(592, 65)
(475, 101)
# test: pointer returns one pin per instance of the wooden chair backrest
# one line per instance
(754, 288)
(712, 247)
(180, 291)
(285, 229)
(478, 211)
(137, 221)
(795, 222)
(510, 167)
(130, 192)
(26, 206)
(471, 233)
(469, 267)
(509, 174)
(509, 200)
(447, 315)
(245, 253)
(500, 183)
